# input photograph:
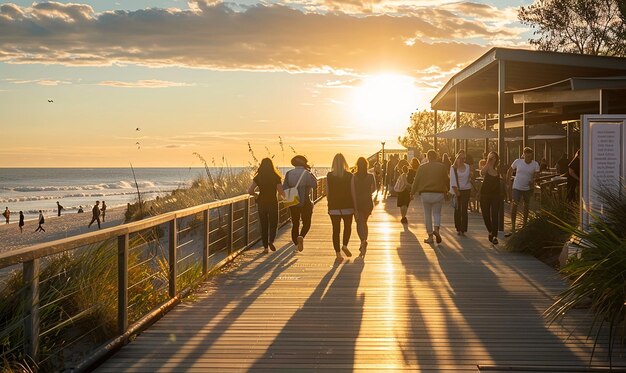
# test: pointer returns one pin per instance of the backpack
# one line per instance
(292, 198)
(401, 184)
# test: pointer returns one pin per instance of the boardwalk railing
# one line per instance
(117, 281)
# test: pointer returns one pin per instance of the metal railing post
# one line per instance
(122, 284)
(31, 321)
(172, 258)
(205, 242)
(231, 219)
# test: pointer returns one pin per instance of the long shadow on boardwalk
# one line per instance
(483, 323)
(323, 333)
(280, 262)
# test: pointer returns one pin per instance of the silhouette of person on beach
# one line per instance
(103, 210)
(7, 214)
(42, 220)
(21, 223)
(59, 208)
(80, 209)
(95, 211)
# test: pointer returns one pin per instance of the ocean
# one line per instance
(34, 189)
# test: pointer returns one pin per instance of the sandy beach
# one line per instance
(57, 227)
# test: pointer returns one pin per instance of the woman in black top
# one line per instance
(269, 181)
(340, 202)
(404, 197)
(490, 196)
(363, 185)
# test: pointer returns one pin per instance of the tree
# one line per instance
(595, 27)
(423, 124)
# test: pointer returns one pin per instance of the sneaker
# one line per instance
(490, 237)
(437, 236)
(272, 247)
(339, 257)
(300, 243)
(404, 221)
(429, 240)
(494, 241)
(345, 250)
(508, 234)
(265, 251)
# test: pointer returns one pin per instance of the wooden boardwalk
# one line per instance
(458, 306)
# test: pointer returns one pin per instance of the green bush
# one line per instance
(539, 237)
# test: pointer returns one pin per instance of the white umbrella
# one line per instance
(465, 133)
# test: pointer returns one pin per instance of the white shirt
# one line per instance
(525, 173)
(464, 178)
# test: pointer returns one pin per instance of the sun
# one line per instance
(383, 103)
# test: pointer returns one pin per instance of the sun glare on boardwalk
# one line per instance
(385, 99)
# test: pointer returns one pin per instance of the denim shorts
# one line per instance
(518, 194)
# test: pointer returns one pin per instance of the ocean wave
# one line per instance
(13, 199)
(103, 186)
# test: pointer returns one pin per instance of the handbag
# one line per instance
(400, 184)
(454, 201)
(292, 197)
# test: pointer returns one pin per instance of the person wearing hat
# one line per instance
(304, 209)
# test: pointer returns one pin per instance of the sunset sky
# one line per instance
(209, 76)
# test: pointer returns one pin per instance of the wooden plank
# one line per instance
(406, 306)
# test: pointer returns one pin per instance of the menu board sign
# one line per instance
(603, 160)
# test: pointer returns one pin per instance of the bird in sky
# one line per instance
(137, 129)
(138, 146)
(50, 101)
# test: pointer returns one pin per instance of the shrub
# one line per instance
(539, 237)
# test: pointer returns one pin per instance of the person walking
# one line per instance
(268, 180)
(7, 214)
(42, 220)
(526, 171)
(304, 209)
(340, 202)
(404, 194)
(461, 187)
(21, 223)
(431, 182)
(95, 214)
(103, 210)
(59, 208)
(490, 195)
(363, 185)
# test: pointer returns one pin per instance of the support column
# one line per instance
(436, 130)
(457, 117)
(501, 107)
(524, 129)
(486, 129)
(501, 112)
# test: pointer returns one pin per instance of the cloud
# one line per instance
(214, 35)
(45, 82)
(151, 83)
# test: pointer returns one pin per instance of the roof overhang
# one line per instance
(477, 84)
